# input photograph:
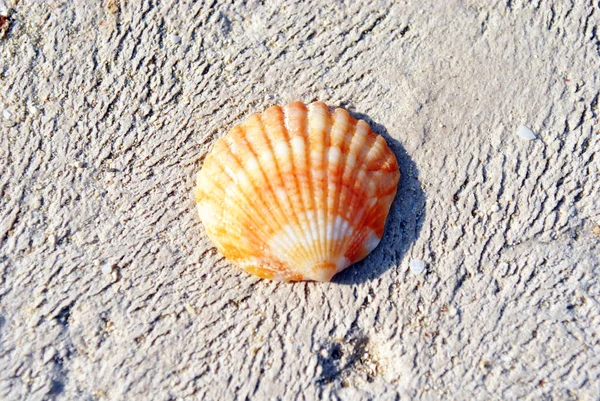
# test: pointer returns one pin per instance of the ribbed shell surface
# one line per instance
(298, 192)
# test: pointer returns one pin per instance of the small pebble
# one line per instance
(6, 114)
(107, 268)
(175, 39)
(495, 208)
(417, 266)
(525, 133)
(49, 354)
(77, 164)
(52, 240)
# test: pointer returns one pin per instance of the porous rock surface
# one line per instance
(110, 289)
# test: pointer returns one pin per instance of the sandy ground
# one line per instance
(110, 289)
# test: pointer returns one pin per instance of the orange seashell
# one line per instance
(298, 192)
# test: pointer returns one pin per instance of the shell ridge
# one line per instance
(232, 242)
(356, 143)
(363, 190)
(266, 130)
(336, 226)
(316, 140)
(326, 256)
(359, 233)
(328, 125)
(311, 179)
(270, 212)
(359, 182)
(253, 204)
(294, 184)
(328, 159)
(368, 208)
(258, 203)
(333, 184)
(305, 188)
(343, 193)
(386, 190)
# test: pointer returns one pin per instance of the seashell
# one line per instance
(298, 192)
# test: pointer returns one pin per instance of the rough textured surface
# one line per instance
(110, 290)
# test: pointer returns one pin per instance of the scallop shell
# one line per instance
(298, 192)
